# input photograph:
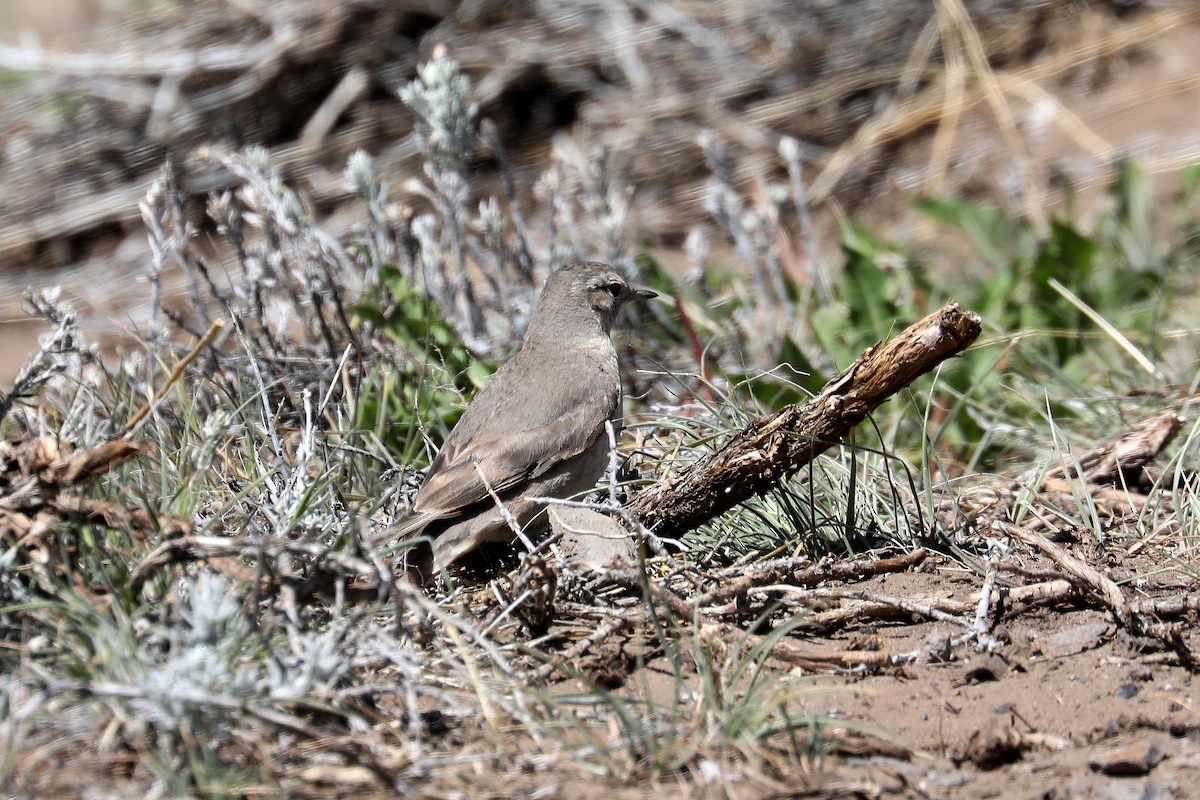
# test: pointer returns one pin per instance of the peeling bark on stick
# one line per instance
(774, 447)
(1120, 459)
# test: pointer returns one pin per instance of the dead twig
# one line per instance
(1120, 459)
(1102, 588)
(229, 556)
(856, 611)
(1100, 585)
(719, 636)
(784, 571)
(774, 447)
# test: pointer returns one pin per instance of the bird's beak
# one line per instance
(643, 294)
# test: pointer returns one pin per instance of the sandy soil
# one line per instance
(1064, 695)
(1068, 705)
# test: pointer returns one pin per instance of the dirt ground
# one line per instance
(1069, 704)
(1067, 708)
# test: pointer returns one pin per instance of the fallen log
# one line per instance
(774, 447)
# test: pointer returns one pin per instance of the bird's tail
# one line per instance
(408, 526)
(414, 558)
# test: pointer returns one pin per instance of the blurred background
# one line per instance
(1025, 105)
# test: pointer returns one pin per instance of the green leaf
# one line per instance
(865, 286)
(427, 398)
(991, 232)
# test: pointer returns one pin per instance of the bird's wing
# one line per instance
(462, 472)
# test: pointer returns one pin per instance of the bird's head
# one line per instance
(584, 293)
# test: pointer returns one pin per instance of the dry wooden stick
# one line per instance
(720, 637)
(226, 554)
(1106, 590)
(771, 448)
(1167, 606)
(736, 585)
(858, 611)
(1080, 573)
(1126, 453)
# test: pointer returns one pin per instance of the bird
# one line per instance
(537, 428)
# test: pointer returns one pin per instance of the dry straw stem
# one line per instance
(175, 375)
(966, 57)
(930, 106)
(774, 447)
(952, 14)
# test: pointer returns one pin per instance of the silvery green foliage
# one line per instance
(60, 350)
(792, 155)
(202, 663)
(364, 182)
(170, 671)
(292, 277)
(440, 97)
(14, 590)
(424, 230)
(213, 432)
(589, 202)
(753, 223)
(316, 664)
(155, 216)
(292, 494)
(271, 204)
(489, 222)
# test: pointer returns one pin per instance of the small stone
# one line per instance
(985, 668)
(1076, 639)
(1133, 759)
(592, 539)
(1126, 691)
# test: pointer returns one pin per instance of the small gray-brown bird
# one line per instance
(536, 429)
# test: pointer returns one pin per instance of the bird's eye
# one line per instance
(614, 288)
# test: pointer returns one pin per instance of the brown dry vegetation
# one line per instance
(190, 603)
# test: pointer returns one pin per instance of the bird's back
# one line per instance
(522, 423)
